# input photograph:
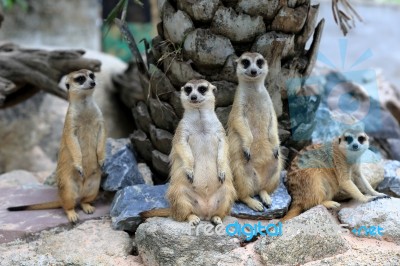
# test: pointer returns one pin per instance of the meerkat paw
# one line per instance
(246, 154)
(193, 220)
(265, 198)
(381, 195)
(221, 176)
(190, 175)
(73, 217)
(216, 220)
(87, 208)
(275, 152)
(329, 204)
(374, 198)
(254, 204)
(79, 169)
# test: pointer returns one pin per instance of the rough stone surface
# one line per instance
(312, 235)
(228, 71)
(290, 20)
(236, 27)
(142, 144)
(162, 241)
(280, 204)
(201, 10)
(177, 103)
(162, 139)
(170, 21)
(160, 85)
(19, 178)
(130, 201)
(180, 72)
(90, 243)
(163, 115)
(383, 212)
(207, 49)
(225, 93)
(267, 44)
(223, 115)
(391, 182)
(146, 173)
(121, 170)
(142, 117)
(21, 224)
(264, 8)
(160, 162)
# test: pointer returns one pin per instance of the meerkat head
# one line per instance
(353, 142)
(81, 82)
(198, 94)
(251, 67)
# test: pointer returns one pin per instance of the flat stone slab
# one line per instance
(21, 224)
(130, 201)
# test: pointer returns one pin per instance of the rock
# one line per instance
(162, 241)
(180, 72)
(142, 117)
(308, 28)
(162, 139)
(267, 44)
(225, 93)
(237, 27)
(160, 86)
(290, 20)
(310, 236)
(142, 144)
(280, 204)
(19, 178)
(163, 115)
(384, 213)
(146, 173)
(228, 71)
(131, 201)
(90, 243)
(121, 170)
(372, 169)
(207, 50)
(160, 162)
(170, 21)
(115, 145)
(230, 3)
(265, 8)
(201, 10)
(391, 182)
(24, 224)
(223, 115)
(176, 103)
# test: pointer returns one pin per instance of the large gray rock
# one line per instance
(290, 20)
(170, 21)
(162, 241)
(142, 144)
(180, 72)
(384, 213)
(90, 243)
(121, 170)
(163, 115)
(310, 236)
(264, 8)
(391, 182)
(237, 27)
(200, 10)
(161, 138)
(225, 93)
(131, 201)
(160, 86)
(206, 49)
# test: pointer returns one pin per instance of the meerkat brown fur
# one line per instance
(319, 171)
(253, 134)
(201, 185)
(82, 150)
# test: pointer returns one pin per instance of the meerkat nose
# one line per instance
(92, 84)
(355, 146)
(193, 97)
(253, 72)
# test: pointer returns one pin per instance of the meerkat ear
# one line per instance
(67, 85)
(214, 89)
(182, 88)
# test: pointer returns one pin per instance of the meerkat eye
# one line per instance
(361, 139)
(91, 75)
(348, 139)
(202, 89)
(245, 63)
(260, 63)
(80, 79)
(187, 89)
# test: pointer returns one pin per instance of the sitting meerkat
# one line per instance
(253, 134)
(319, 171)
(201, 186)
(82, 149)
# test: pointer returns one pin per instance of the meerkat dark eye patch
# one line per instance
(202, 89)
(187, 89)
(348, 139)
(260, 63)
(361, 139)
(91, 75)
(67, 85)
(245, 63)
(80, 79)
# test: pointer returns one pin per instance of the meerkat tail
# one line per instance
(40, 206)
(293, 212)
(163, 212)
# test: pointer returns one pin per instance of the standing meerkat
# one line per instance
(253, 134)
(201, 186)
(82, 149)
(319, 171)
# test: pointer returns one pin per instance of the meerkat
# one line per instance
(319, 171)
(253, 134)
(82, 149)
(201, 185)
